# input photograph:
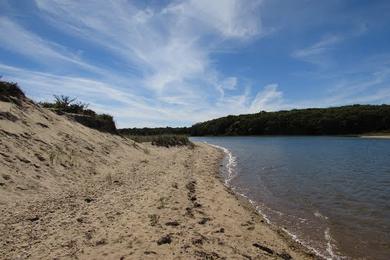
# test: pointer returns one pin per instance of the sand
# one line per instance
(70, 192)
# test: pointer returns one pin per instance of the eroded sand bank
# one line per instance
(71, 192)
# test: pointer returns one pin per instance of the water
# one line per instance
(332, 193)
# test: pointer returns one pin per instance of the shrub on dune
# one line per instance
(164, 140)
(9, 91)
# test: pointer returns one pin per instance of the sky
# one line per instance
(156, 63)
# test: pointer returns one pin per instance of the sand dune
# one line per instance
(67, 191)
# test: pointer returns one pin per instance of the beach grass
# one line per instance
(163, 140)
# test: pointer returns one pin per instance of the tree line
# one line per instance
(344, 120)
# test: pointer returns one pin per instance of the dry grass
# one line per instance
(164, 140)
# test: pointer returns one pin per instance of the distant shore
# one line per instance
(375, 136)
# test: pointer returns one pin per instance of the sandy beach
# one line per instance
(70, 192)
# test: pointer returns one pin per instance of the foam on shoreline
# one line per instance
(231, 163)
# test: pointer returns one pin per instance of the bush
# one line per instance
(79, 112)
(66, 104)
(9, 91)
(164, 140)
(155, 131)
(105, 117)
(103, 123)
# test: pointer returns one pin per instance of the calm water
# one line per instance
(332, 193)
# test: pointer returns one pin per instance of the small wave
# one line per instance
(259, 210)
(319, 215)
(296, 239)
(230, 165)
(330, 246)
(255, 206)
(302, 220)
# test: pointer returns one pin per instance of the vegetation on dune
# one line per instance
(10, 91)
(67, 104)
(163, 140)
(156, 131)
(159, 136)
(79, 111)
(345, 120)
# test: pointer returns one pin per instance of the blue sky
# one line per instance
(160, 63)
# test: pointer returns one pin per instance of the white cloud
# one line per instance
(169, 49)
(19, 40)
(318, 52)
(128, 109)
(229, 83)
(268, 99)
(169, 46)
(230, 18)
(318, 48)
(371, 88)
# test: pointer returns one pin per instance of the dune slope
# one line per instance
(67, 191)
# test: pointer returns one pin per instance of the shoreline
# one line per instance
(181, 209)
(282, 236)
(375, 136)
(250, 206)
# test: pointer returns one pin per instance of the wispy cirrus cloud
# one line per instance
(319, 52)
(129, 109)
(19, 40)
(371, 87)
(313, 51)
(167, 55)
(269, 99)
(229, 18)
(167, 50)
(166, 63)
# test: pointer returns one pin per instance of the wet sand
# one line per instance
(67, 192)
